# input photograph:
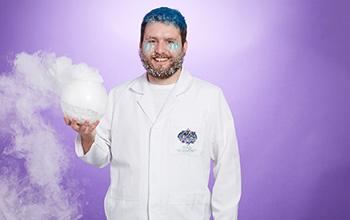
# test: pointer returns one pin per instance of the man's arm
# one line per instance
(86, 131)
(227, 187)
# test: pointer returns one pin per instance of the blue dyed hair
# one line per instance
(168, 16)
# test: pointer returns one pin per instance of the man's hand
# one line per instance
(86, 131)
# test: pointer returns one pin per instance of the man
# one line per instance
(159, 134)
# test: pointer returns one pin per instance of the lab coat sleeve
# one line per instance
(100, 152)
(227, 186)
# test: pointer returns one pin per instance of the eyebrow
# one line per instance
(148, 38)
(172, 39)
(155, 38)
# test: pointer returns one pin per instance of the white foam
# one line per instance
(33, 161)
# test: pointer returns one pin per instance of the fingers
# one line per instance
(67, 120)
(75, 125)
(88, 128)
(82, 128)
(94, 125)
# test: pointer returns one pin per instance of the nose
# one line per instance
(161, 47)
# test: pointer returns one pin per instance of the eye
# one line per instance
(173, 45)
(148, 46)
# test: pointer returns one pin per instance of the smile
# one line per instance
(161, 59)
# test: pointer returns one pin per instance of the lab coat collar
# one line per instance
(181, 86)
(145, 100)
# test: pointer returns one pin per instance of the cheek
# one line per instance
(174, 47)
(148, 48)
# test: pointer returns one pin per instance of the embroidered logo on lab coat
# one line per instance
(187, 137)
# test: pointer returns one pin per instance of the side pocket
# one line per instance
(189, 198)
(119, 207)
(122, 194)
(189, 205)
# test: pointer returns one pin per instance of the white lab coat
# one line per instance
(154, 176)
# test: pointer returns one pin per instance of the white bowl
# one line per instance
(84, 100)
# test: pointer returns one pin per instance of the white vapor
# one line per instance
(34, 163)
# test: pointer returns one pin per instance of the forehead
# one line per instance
(161, 30)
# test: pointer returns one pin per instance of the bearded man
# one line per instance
(160, 133)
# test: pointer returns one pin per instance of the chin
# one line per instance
(161, 65)
(161, 68)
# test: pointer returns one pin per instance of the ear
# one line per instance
(185, 47)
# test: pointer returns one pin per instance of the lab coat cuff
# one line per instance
(96, 155)
(231, 214)
(79, 147)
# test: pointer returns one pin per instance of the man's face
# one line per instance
(161, 50)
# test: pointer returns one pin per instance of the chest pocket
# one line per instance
(186, 138)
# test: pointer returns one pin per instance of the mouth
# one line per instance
(161, 60)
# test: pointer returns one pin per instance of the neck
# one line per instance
(172, 79)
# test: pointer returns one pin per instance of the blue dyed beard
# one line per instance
(163, 73)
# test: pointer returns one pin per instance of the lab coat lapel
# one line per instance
(181, 86)
(144, 97)
(145, 100)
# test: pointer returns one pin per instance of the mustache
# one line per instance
(161, 56)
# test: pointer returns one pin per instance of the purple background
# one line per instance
(283, 65)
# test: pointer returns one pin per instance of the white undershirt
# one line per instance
(160, 94)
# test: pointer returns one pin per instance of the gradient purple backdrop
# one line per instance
(284, 67)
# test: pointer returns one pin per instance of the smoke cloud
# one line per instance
(34, 176)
